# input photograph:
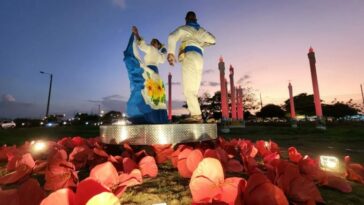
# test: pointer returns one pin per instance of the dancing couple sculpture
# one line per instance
(147, 102)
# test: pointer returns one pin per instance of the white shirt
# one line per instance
(152, 55)
(189, 36)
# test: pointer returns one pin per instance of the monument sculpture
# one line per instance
(193, 39)
(146, 108)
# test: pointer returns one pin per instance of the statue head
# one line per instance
(191, 17)
(156, 43)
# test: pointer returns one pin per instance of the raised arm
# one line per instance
(140, 41)
(173, 38)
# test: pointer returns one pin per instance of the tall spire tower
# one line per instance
(224, 102)
(291, 101)
(316, 93)
(169, 96)
(362, 94)
(239, 102)
(232, 93)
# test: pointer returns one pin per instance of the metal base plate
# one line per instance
(157, 134)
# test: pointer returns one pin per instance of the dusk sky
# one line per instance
(81, 43)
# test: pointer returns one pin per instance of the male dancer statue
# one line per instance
(193, 39)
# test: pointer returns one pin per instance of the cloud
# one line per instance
(119, 3)
(114, 97)
(8, 98)
(9, 108)
(243, 79)
(210, 83)
(176, 83)
(112, 102)
(213, 84)
(208, 71)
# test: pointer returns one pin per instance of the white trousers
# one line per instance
(192, 66)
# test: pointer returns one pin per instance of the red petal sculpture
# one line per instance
(268, 158)
(40, 166)
(30, 193)
(78, 141)
(298, 189)
(232, 190)
(181, 164)
(80, 155)
(129, 165)
(310, 169)
(234, 165)
(23, 168)
(105, 174)
(12, 159)
(354, 171)
(193, 159)
(128, 180)
(148, 166)
(174, 156)
(206, 181)
(338, 183)
(163, 152)
(60, 197)
(211, 153)
(260, 191)
(117, 161)
(294, 155)
(60, 173)
(247, 148)
(263, 147)
(9, 197)
(66, 142)
(88, 188)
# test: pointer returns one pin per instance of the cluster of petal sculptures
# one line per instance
(269, 179)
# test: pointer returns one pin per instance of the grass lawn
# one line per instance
(169, 187)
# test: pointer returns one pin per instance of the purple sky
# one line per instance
(81, 43)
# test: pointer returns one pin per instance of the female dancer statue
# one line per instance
(147, 102)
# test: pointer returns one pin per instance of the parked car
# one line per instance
(7, 124)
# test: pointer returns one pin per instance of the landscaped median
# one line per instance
(80, 171)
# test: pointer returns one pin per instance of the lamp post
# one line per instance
(50, 89)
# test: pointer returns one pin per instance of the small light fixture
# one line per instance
(266, 144)
(120, 122)
(329, 162)
(38, 146)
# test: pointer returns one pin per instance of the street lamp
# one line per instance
(50, 89)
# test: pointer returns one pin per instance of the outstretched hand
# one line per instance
(134, 30)
(171, 59)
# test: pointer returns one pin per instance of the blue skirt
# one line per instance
(138, 110)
